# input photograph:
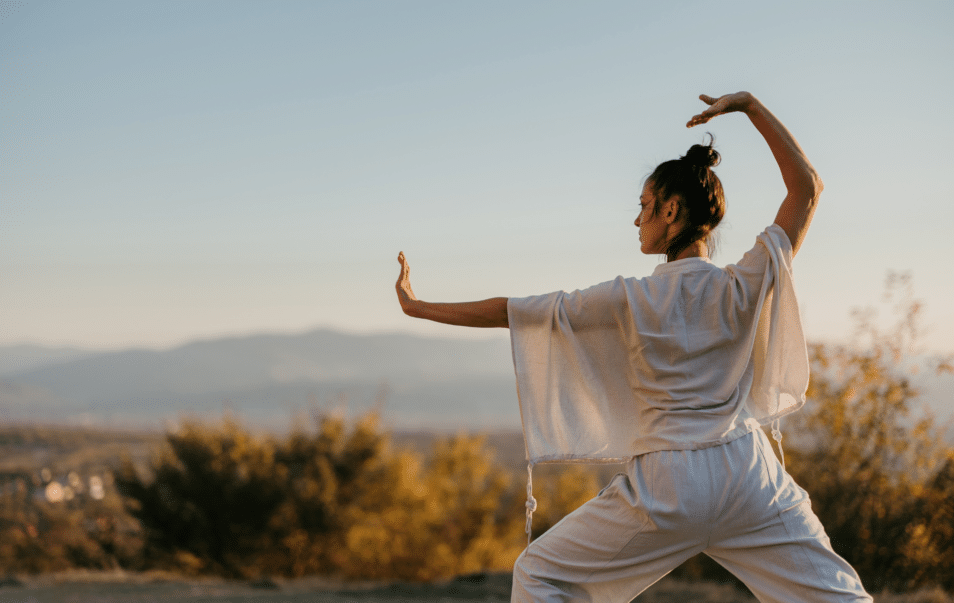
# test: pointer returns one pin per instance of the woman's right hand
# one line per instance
(728, 103)
(405, 294)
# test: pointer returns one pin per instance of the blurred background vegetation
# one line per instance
(348, 498)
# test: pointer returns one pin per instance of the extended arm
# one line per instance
(486, 313)
(801, 180)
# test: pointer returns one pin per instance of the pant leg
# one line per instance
(769, 537)
(640, 527)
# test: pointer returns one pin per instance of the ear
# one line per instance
(671, 209)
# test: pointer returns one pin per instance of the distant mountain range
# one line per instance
(270, 381)
(267, 380)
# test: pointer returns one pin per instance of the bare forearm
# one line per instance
(797, 171)
(802, 182)
(485, 314)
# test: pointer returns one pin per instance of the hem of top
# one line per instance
(749, 426)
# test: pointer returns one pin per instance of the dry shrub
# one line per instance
(338, 501)
(877, 476)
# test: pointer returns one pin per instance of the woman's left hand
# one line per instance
(728, 103)
(405, 295)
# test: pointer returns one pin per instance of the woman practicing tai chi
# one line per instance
(674, 374)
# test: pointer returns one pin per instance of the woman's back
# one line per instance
(663, 362)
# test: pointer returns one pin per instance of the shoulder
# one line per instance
(779, 240)
(771, 246)
(769, 257)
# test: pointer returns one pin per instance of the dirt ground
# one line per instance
(123, 588)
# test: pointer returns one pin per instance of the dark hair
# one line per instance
(699, 192)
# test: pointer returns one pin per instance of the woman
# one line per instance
(674, 374)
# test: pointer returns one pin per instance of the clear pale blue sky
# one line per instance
(181, 170)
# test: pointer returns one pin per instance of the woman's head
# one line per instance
(683, 202)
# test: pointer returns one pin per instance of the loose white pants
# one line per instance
(733, 502)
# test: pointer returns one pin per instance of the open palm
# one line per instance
(403, 285)
(728, 103)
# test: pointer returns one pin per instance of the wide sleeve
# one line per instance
(571, 358)
(780, 353)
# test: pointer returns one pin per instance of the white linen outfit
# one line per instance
(674, 373)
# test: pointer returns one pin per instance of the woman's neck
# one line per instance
(698, 249)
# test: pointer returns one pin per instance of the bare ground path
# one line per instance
(123, 588)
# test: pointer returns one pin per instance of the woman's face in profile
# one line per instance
(652, 228)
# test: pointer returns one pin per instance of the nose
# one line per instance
(636, 222)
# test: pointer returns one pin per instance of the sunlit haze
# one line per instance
(172, 171)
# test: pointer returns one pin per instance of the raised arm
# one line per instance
(486, 313)
(801, 180)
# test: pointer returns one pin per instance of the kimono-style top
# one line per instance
(693, 356)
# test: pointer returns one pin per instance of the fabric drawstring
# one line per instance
(531, 501)
(777, 436)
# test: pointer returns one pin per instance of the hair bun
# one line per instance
(704, 156)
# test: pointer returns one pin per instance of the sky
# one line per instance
(172, 171)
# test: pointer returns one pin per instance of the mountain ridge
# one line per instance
(269, 378)
(427, 379)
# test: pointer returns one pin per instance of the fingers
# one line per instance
(705, 115)
(405, 269)
(713, 110)
(403, 285)
(698, 119)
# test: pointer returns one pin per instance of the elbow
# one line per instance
(817, 185)
(813, 182)
(810, 188)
